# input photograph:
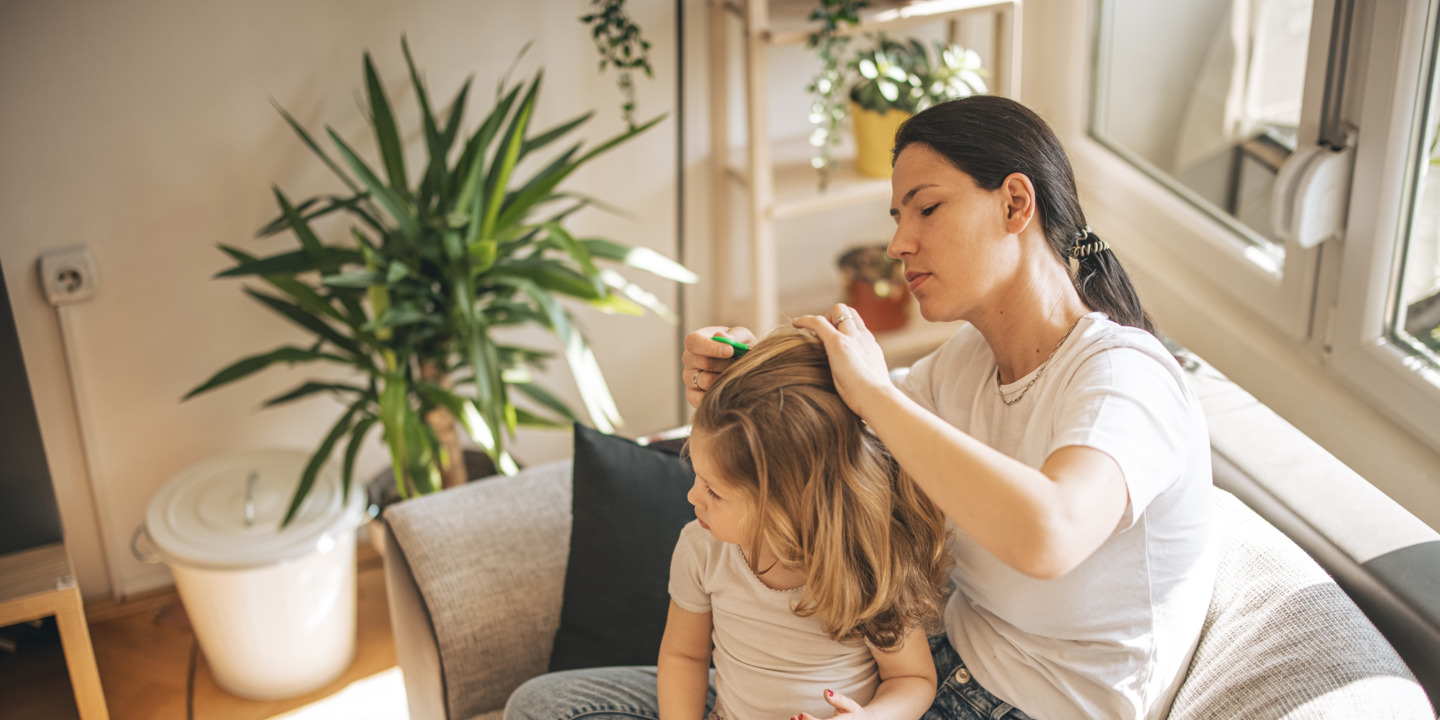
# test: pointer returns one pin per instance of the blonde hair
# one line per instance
(827, 497)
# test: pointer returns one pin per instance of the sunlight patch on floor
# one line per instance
(378, 697)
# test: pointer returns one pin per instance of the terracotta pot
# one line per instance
(881, 313)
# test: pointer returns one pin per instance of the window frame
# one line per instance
(1211, 245)
(1397, 79)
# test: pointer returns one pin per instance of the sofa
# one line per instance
(1295, 629)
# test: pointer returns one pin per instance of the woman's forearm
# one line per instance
(1041, 522)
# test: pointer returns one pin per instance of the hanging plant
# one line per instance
(827, 112)
(618, 40)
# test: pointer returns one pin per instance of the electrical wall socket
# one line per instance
(68, 275)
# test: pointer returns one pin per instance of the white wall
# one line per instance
(144, 130)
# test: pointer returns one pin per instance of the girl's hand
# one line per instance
(704, 358)
(843, 705)
(856, 360)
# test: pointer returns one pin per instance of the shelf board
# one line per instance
(797, 186)
(790, 22)
(797, 189)
(35, 571)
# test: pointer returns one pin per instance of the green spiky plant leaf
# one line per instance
(431, 263)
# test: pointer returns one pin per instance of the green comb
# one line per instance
(740, 348)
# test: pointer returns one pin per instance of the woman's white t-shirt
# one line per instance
(769, 662)
(1113, 637)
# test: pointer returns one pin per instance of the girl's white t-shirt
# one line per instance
(769, 662)
(1113, 637)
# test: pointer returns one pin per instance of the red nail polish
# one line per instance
(829, 693)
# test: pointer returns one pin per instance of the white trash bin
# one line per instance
(273, 610)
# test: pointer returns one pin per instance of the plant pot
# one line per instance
(380, 492)
(875, 287)
(880, 312)
(874, 139)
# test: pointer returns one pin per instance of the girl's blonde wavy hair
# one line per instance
(827, 497)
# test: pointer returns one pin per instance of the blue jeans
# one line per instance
(957, 695)
(608, 693)
(627, 693)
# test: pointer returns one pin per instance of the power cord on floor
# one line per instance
(190, 680)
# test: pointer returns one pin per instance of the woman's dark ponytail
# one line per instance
(988, 137)
(1103, 283)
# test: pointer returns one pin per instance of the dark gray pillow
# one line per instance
(629, 507)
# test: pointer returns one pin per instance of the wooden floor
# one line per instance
(143, 648)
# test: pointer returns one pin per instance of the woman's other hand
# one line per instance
(705, 358)
(856, 360)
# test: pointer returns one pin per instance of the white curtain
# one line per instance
(1252, 78)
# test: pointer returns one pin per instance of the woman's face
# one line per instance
(719, 505)
(949, 233)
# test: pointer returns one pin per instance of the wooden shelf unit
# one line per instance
(775, 173)
(38, 583)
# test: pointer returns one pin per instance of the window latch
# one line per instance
(1311, 194)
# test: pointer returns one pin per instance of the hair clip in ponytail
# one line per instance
(1079, 251)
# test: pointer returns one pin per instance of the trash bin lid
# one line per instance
(200, 517)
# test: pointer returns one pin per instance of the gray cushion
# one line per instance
(1399, 590)
(489, 559)
(1281, 640)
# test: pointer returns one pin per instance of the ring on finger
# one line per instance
(695, 379)
(841, 319)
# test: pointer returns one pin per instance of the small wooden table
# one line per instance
(37, 583)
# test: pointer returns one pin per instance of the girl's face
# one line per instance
(721, 507)
(949, 233)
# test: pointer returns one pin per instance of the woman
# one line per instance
(1054, 430)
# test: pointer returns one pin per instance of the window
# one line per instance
(1414, 320)
(1207, 99)
(1210, 115)
(1286, 154)
(1387, 302)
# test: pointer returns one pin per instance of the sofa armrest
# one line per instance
(1383, 557)
(487, 560)
(1397, 590)
(416, 650)
(1281, 640)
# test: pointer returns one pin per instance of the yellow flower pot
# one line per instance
(874, 138)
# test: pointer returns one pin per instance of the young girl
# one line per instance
(813, 562)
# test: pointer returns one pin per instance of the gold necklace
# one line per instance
(1038, 371)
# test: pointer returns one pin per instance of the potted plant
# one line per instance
(875, 287)
(894, 80)
(409, 299)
